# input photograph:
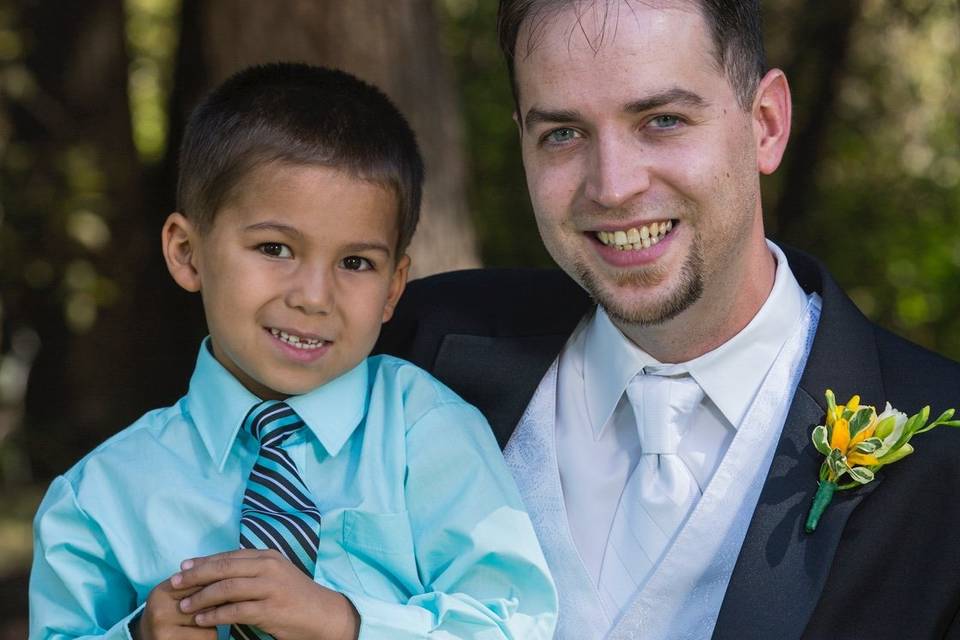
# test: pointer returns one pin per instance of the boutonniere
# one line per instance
(857, 443)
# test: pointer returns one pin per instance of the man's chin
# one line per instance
(646, 298)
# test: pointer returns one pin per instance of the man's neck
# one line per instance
(713, 319)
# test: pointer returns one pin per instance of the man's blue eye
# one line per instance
(561, 135)
(665, 122)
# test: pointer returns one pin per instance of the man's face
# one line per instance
(297, 274)
(641, 164)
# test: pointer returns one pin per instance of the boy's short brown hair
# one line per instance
(299, 114)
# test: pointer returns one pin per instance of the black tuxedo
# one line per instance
(885, 560)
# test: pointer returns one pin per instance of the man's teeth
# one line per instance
(636, 238)
(297, 341)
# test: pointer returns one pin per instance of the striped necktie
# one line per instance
(278, 511)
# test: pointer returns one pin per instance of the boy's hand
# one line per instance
(263, 589)
(162, 618)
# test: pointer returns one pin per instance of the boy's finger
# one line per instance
(231, 590)
(224, 569)
(227, 555)
(180, 594)
(233, 613)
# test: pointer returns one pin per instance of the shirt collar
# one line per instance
(730, 375)
(217, 403)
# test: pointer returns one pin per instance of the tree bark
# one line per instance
(820, 45)
(392, 43)
(75, 124)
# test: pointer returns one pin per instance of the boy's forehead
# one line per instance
(316, 200)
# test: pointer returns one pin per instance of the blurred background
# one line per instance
(94, 94)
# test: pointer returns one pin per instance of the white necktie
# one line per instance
(660, 492)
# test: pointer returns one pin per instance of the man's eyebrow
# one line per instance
(664, 98)
(548, 116)
(675, 96)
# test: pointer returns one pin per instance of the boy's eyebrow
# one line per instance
(675, 95)
(360, 247)
(275, 226)
(293, 231)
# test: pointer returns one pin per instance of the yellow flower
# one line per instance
(840, 436)
(838, 421)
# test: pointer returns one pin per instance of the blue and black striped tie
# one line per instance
(278, 511)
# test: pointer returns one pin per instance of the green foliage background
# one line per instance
(870, 184)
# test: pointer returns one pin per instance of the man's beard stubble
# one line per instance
(689, 289)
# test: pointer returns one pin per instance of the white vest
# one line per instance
(682, 598)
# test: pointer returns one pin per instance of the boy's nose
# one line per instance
(311, 291)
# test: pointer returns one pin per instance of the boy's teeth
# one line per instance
(297, 341)
(636, 238)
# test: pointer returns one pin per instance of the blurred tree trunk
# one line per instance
(391, 43)
(811, 42)
(73, 127)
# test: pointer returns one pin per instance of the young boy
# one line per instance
(299, 489)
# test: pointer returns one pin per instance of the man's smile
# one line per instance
(635, 238)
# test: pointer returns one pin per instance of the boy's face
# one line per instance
(297, 273)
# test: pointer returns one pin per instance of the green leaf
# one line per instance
(915, 422)
(869, 445)
(838, 466)
(820, 440)
(952, 423)
(861, 475)
(831, 402)
(897, 454)
(861, 419)
(946, 415)
(943, 419)
(885, 427)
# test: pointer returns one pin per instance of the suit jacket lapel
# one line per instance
(498, 375)
(780, 567)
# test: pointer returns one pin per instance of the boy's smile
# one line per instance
(297, 273)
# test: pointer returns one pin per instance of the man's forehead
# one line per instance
(590, 23)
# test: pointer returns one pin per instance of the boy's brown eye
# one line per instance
(275, 250)
(356, 263)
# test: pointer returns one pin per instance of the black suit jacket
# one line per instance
(885, 560)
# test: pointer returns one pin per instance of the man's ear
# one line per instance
(179, 241)
(772, 110)
(398, 282)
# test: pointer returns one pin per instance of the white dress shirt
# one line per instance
(596, 434)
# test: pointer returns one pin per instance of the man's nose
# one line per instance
(312, 290)
(617, 171)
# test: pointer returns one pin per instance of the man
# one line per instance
(659, 424)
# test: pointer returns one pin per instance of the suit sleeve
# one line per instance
(478, 557)
(73, 568)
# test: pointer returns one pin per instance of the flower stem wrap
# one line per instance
(820, 501)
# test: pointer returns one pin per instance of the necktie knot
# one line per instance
(271, 422)
(663, 407)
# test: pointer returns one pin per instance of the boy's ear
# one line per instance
(179, 242)
(398, 282)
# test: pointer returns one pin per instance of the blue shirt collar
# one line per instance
(217, 403)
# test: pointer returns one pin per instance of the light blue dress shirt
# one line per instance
(422, 526)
